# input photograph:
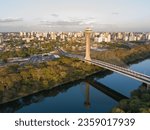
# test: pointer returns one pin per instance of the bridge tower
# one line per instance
(88, 32)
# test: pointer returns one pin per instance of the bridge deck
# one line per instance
(125, 71)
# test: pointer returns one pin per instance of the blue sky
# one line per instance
(74, 15)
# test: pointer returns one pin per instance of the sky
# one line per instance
(75, 15)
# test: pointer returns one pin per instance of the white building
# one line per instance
(28, 39)
(132, 37)
(148, 37)
(126, 38)
(108, 38)
(21, 34)
(138, 38)
(45, 34)
(32, 33)
(98, 39)
(79, 34)
(24, 34)
(120, 36)
(53, 36)
(1, 38)
(62, 36)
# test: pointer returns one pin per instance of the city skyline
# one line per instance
(69, 15)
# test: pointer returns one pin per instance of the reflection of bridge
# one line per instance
(102, 88)
(18, 104)
(106, 90)
(125, 71)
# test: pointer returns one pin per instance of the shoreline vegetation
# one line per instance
(137, 103)
(19, 81)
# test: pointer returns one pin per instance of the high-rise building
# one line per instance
(107, 37)
(45, 34)
(148, 37)
(119, 36)
(126, 38)
(24, 33)
(53, 36)
(21, 34)
(1, 38)
(131, 37)
(100, 39)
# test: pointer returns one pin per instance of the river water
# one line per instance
(81, 96)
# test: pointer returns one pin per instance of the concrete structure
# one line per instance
(88, 32)
(124, 71)
(126, 38)
(1, 38)
(148, 37)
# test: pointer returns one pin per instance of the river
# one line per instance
(81, 96)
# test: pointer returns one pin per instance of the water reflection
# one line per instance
(106, 90)
(87, 95)
(100, 94)
(39, 97)
(33, 98)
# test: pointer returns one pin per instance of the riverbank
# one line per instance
(31, 79)
(138, 103)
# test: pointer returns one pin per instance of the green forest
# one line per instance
(138, 103)
(17, 81)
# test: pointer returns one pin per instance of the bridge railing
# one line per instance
(127, 71)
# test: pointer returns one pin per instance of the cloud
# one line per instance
(68, 23)
(9, 20)
(54, 15)
(61, 23)
(81, 19)
(87, 22)
(115, 13)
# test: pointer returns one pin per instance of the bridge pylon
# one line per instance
(88, 32)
